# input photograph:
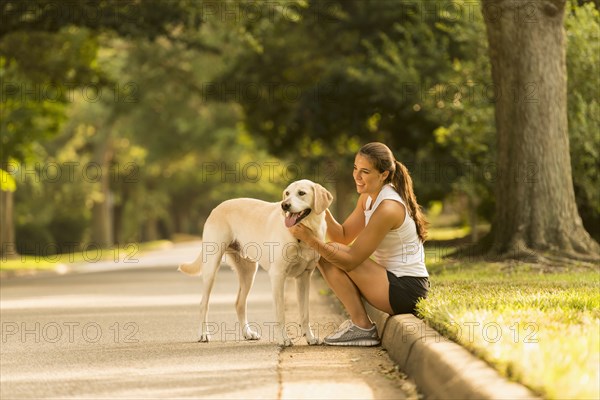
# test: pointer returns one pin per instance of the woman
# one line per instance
(386, 224)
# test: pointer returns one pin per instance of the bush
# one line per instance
(35, 239)
(68, 231)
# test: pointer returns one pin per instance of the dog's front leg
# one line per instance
(278, 287)
(302, 291)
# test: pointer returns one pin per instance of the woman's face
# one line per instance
(367, 178)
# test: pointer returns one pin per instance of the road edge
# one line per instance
(441, 368)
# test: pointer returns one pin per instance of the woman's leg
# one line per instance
(368, 279)
(373, 283)
(346, 291)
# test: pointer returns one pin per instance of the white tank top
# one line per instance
(401, 251)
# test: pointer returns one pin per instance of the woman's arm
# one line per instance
(387, 215)
(348, 231)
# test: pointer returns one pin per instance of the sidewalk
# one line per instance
(332, 372)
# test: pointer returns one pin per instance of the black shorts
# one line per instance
(405, 291)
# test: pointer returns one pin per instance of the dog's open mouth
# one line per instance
(292, 219)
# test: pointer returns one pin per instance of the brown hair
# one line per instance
(382, 158)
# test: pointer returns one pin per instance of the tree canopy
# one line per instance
(174, 98)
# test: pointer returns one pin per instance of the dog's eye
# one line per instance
(301, 193)
(287, 193)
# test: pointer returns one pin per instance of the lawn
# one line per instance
(540, 327)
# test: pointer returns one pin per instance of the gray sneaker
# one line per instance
(349, 334)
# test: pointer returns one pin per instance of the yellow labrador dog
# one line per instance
(252, 232)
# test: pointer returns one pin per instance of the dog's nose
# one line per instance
(285, 206)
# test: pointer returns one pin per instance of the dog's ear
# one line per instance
(322, 198)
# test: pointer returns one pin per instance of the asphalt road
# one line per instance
(130, 331)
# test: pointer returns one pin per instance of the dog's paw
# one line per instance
(204, 338)
(250, 334)
(285, 342)
(313, 341)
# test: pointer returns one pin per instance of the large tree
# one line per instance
(48, 44)
(536, 213)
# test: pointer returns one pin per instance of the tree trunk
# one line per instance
(536, 214)
(117, 223)
(150, 232)
(102, 230)
(342, 197)
(8, 243)
(473, 220)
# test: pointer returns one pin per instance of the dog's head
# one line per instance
(301, 198)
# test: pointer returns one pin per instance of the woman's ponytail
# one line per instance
(384, 160)
(403, 184)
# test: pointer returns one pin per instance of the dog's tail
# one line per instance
(194, 268)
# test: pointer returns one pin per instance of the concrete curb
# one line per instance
(441, 368)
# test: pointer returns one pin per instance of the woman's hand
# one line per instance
(302, 233)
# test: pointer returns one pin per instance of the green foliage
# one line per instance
(326, 99)
(53, 61)
(50, 59)
(34, 238)
(191, 106)
(39, 72)
(51, 213)
(583, 66)
(25, 121)
(465, 107)
(128, 18)
(7, 182)
(50, 47)
(357, 73)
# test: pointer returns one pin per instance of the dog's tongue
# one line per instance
(290, 220)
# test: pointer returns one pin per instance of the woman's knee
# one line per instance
(328, 269)
(324, 268)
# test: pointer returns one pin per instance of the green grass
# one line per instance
(538, 328)
(28, 263)
(448, 233)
